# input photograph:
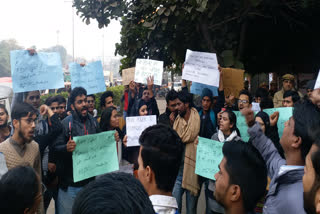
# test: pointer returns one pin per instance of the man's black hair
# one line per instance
(61, 99)
(246, 168)
(162, 152)
(171, 96)
(4, 108)
(104, 96)
(92, 95)
(113, 193)
(305, 116)
(22, 110)
(293, 94)
(78, 91)
(19, 188)
(185, 97)
(246, 92)
(261, 92)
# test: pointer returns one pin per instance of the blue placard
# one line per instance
(196, 88)
(89, 77)
(38, 72)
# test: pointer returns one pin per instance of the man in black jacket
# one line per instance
(168, 117)
(78, 124)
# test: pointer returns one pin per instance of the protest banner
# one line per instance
(136, 125)
(146, 68)
(284, 115)
(201, 67)
(232, 81)
(127, 76)
(317, 85)
(89, 77)
(35, 72)
(94, 155)
(209, 156)
(242, 126)
(196, 88)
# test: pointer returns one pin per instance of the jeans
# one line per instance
(66, 199)
(191, 201)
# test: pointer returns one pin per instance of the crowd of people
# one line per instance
(267, 174)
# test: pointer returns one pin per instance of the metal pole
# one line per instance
(72, 32)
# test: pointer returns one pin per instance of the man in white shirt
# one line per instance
(159, 161)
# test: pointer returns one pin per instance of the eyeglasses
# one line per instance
(30, 120)
(243, 101)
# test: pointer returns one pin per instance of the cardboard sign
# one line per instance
(232, 81)
(89, 77)
(127, 75)
(38, 72)
(201, 67)
(136, 125)
(94, 155)
(146, 68)
(209, 156)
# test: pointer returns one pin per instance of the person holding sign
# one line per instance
(159, 161)
(187, 125)
(285, 189)
(80, 123)
(242, 178)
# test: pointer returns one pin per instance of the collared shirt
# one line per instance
(163, 204)
(20, 148)
(285, 168)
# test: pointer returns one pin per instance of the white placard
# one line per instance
(317, 85)
(146, 68)
(136, 125)
(201, 67)
(256, 107)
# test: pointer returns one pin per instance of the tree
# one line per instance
(5, 47)
(255, 34)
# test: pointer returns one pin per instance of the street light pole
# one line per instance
(72, 28)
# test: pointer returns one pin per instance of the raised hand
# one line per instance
(249, 115)
(274, 118)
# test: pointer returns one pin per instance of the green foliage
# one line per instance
(5, 47)
(243, 33)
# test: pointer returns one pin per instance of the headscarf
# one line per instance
(265, 118)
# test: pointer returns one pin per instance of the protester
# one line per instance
(242, 178)
(187, 125)
(245, 100)
(53, 103)
(311, 179)
(285, 188)
(62, 113)
(20, 191)
(168, 117)
(106, 100)
(227, 132)
(310, 87)
(80, 123)
(260, 94)
(269, 127)
(290, 98)
(113, 193)
(32, 98)
(5, 128)
(159, 161)
(91, 105)
(287, 85)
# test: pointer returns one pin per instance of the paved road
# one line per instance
(201, 203)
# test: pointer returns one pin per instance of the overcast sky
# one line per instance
(36, 22)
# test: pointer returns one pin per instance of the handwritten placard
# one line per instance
(136, 125)
(38, 72)
(127, 75)
(242, 126)
(94, 155)
(232, 81)
(284, 115)
(146, 68)
(89, 77)
(196, 88)
(201, 67)
(209, 156)
(317, 85)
